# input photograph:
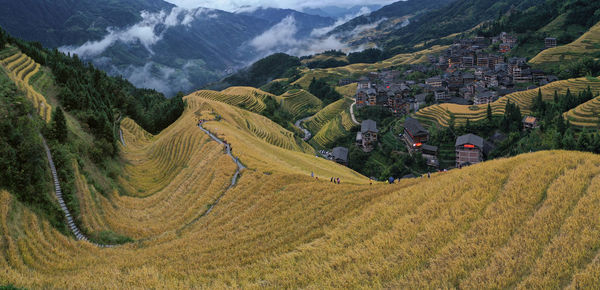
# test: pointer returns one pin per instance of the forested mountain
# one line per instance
(67, 22)
(152, 43)
(339, 12)
(306, 23)
(536, 19)
(391, 12)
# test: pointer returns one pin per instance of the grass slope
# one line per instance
(511, 222)
(440, 114)
(20, 68)
(586, 115)
(586, 45)
(300, 103)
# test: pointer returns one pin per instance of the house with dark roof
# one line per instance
(414, 133)
(368, 135)
(471, 149)
(340, 155)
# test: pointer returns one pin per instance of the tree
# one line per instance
(59, 126)
(489, 112)
(538, 103)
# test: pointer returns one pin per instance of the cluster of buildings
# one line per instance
(385, 89)
(366, 139)
(470, 75)
(473, 75)
(469, 149)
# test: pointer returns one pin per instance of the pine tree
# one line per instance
(538, 104)
(59, 126)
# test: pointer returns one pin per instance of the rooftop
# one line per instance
(340, 153)
(414, 127)
(368, 126)
(470, 139)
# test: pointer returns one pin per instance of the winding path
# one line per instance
(237, 174)
(121, 136)
(72, 226)
(71, 222)
(352, 113)
(298, 124)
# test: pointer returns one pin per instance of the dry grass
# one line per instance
(20, 68)
(507, 223)
(524, 222)
(586, 115)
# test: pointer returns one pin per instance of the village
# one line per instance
(475, 71)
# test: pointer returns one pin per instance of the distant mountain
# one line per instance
(155, 44)
(385, 20)
(61, 22)
(306, 23)
(340, 12)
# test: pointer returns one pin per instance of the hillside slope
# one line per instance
(510, 222)
(586, 45)
(441, 113)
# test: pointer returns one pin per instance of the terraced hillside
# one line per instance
(440, 114)
(237, 96)
(20, 68)
(586, 45)
(510, 222)
(255, 125)
(300, 103)
(586, 115)
(331, 123)
(334, 109)
(359, 69)
(336, 128)
(247, 91)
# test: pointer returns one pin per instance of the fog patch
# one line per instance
(317, 32)
(166, 80)
(147, 32)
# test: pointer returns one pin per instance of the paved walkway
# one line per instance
(236, 175)
(352, 113)
(121, 136)
(72, 226)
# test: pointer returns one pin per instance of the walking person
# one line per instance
(331, 180)
(312, 174)
(428, 174)
(338, 180)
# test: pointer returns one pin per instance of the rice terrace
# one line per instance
(418, 144)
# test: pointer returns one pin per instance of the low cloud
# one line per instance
(322, 31)
(282, 37)
(147, 32)
(233, 5)
(164, 79)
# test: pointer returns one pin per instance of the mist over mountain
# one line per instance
(339, 12)
(157, 45)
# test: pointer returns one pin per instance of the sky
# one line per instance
(232, 5)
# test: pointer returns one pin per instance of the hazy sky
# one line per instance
(232, 5)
